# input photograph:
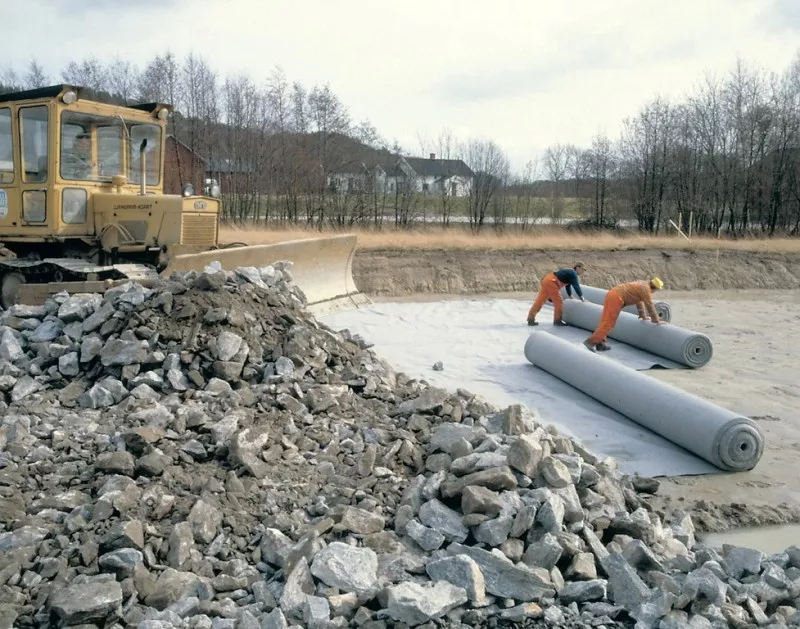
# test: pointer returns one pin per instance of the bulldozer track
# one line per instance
(72, 270)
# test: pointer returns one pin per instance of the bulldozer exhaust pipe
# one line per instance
(142, 180)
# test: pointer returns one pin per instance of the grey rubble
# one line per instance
(206, 455)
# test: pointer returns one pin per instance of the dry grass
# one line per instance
(433, 238)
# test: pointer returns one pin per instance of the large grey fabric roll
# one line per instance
(723, 438)
(680, 345)
(598, 295)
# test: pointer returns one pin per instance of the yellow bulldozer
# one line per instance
(82, 207)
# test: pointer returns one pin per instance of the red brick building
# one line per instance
(182, 165)
(235, 176)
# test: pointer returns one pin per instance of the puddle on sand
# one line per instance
(767, 539)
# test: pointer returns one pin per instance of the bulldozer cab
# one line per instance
(84, 178)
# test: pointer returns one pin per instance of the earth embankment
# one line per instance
(390, 273)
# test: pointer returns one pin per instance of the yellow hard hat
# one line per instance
(657, 283)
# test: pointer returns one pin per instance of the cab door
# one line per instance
(9, 191)
(34, 140)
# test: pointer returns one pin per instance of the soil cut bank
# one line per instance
(389, 273)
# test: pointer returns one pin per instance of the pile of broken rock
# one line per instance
(205, 454)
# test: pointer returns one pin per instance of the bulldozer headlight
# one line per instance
(163, 113)
(69, 97)
(215, 191)
(188, 190)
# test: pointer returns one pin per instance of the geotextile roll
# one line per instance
(730, 441)
(597, 296)
(691, 349)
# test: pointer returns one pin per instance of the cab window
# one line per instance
(91, 146)
(6, 147)
(33, 124)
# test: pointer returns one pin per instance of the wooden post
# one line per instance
(691, 223)
(678, 229)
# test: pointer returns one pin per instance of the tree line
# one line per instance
(725, 159)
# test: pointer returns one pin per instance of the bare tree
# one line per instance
(783, 179)
(10, 81)
(577, 167)
(527, 206)
(284, 165)
(160, 81)
(750, 121)
(707, 118)
(35, 76)
(327, 115)
(599, 163)
(556, 160)
(366, 133)
(88, 73)
(299, 100)
(491, 167)
(445, 147)
(238, 160)
(647, 142)
(122, 78)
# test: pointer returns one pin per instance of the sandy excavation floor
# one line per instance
(756, 371)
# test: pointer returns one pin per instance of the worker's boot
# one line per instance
(559, 323)
(603, 347)
(590, 346)
(532, 322)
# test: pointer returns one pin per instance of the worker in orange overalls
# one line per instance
(639, 293)
(550, 288)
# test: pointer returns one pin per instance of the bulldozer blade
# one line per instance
(321, 267)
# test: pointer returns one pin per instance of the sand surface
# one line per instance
(754, 371)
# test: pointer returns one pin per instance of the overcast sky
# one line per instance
(525, 73)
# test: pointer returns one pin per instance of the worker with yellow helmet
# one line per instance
(639, 293)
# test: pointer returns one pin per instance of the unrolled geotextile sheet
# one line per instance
(725, 439)
(691, 349)
(480, 341)
(598, 295)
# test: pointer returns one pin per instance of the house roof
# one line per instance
(195, 155)
(439, 167)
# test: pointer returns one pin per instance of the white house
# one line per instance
(451, 177)
(356, 176)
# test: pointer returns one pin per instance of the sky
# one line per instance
(524, 73)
